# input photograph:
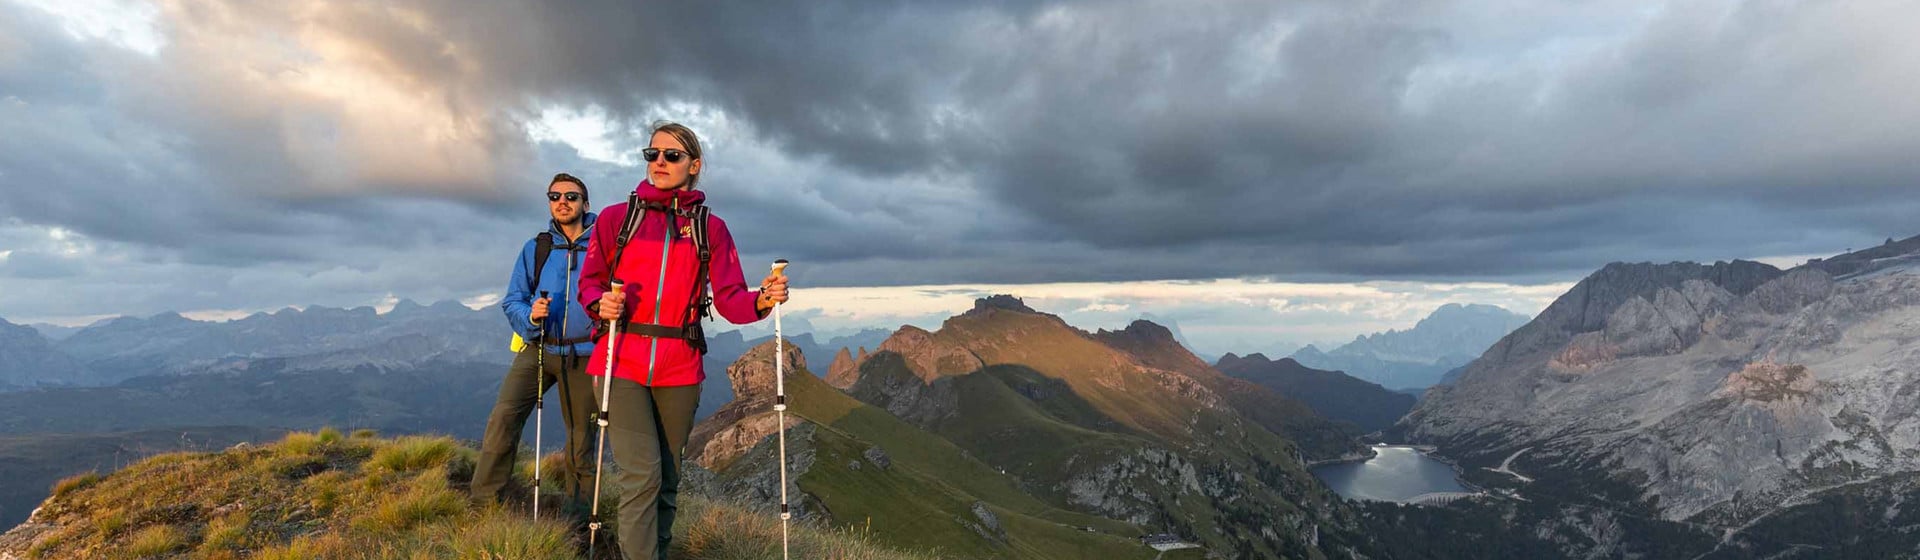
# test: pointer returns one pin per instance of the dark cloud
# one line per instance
(340, 146)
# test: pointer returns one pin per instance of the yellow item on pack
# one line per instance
(518, 345)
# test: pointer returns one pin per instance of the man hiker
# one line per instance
(542, 307)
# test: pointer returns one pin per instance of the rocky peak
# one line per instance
(929, 356)
(1147, 332)
(752, 375)
(844, 370)
(1143, 337)
(406, 306)
(1001, 301)
(1597, 296)
(741, 424)
(1154, 346)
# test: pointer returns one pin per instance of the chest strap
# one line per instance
(692, 333)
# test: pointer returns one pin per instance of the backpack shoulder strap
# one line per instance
(632, 220)
(542, 247)
(700, 305)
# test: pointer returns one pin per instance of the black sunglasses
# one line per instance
(555, 197)
(673, 156)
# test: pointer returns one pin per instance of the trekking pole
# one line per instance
(539, 404)
(780, 410)
(600, 447)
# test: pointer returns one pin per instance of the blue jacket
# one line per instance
(567, 326)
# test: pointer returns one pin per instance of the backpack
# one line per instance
(698, 307)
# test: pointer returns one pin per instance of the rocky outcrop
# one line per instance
(1154, 345)
(929, 357)
(740, 425)
(1001, 301)
(753, 476)
(844, 371)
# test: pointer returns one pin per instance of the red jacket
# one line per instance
(660, 294)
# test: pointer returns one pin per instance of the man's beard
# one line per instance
(576, 219)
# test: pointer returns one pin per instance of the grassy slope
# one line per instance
(927, 494)
(325, 495)
(29, 464)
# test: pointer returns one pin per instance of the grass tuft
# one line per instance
(498, 533)
(227, 532)
(299, 443)
(426, 501)
(328, 436)
(74, 483)
(156, 540)
(414, 453)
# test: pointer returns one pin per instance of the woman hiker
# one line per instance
(672, 253)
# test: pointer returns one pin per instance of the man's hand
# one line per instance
(539, 310)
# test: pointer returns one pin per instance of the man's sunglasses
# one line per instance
(673, 156)
(555, 196)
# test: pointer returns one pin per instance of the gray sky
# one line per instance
(233, 156)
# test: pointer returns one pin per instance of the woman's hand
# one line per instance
(773, 291)
(610, 304)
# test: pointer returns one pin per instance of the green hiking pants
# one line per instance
(502, 440)
(647, 424)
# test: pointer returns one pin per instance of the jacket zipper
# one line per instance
(567, 286)
(660, 287)
(566, 294)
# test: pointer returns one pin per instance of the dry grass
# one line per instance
(325, 496)
(722, 530)
(413, 453)
(227, 532)
(75, 482)
(156, 540)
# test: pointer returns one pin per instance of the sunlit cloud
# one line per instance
(128, 24)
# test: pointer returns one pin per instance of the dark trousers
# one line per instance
(517, 392)
(648, 429)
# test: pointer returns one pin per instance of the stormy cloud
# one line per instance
(224, 155)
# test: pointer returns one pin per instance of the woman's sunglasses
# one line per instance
(555, 197)
(673, 156)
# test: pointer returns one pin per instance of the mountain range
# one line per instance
(1009, 433)
(1608, 426)
(1331, 394)
(28, 359)
(1730, 399)
(1418, 357)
